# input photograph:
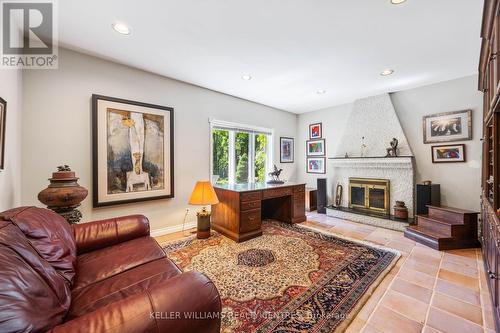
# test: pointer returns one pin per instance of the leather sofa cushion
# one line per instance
(121, 286)
(96, 235)
(49, 234)
(33, 296)
(101, 264)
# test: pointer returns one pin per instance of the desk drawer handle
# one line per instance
(251, 218)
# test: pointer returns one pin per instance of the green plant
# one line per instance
(260, 157)
(242, 169)
(221, 154)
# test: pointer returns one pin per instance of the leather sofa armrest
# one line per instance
(188, 302)
(99, 234)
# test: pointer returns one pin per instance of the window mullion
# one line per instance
(251, 158)
(232, 158)
(269, 155)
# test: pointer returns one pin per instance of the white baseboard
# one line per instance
(172, 229)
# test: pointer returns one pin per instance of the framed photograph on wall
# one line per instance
(315, 147)
(133, 151)
(448, 153)
(286, 150)
(3, 122)
(448, 127)
(315, 131)
(316, 165)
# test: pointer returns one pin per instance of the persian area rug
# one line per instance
(291, 279)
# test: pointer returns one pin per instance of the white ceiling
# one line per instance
(291, 48)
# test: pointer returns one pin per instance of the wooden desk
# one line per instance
(242, 207)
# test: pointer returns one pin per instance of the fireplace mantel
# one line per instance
(400, 162)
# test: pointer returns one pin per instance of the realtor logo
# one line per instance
(28, 34)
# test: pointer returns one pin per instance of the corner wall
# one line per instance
(57, 129)
(460, 182)
(10, 177)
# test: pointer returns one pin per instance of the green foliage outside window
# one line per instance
(221, 155)
(242, 169)
(260, 157)
(241, 148)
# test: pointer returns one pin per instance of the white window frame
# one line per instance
(252, 130)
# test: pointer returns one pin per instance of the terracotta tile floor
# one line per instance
(426, 291)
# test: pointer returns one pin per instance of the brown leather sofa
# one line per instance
(103, 276)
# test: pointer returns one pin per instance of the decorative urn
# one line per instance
(64, 195)
(400, 210)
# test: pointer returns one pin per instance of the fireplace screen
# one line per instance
(372, 194)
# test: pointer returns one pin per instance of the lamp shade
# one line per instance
(203, 194)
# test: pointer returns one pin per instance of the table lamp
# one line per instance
(203, 195)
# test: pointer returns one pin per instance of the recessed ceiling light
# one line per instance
(397, 2)
(387, 72)
(121, 28)
(321, 92)
(246, 77)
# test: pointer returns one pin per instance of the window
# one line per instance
(240, 153)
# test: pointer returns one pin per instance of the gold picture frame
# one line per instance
(447, 127)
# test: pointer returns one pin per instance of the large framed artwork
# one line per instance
(448, 153)
(315, 131)
(316, 165)
(3, 121)
(133, 151)
(315, 147)
(286, 150)
(448, 127)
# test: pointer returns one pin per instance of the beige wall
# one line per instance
(56, 128)
(10, 177)
(460, 182)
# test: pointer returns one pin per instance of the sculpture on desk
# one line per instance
(393, 151)
(275, 176)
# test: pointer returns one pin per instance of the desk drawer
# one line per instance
(298, 189)
(250, 220)
(248, 205)
(277, 192)
(300, 196)
(250, 196)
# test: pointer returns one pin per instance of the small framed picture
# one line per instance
(3, 110)
(286, 150)
(315, 131)
(315, 147)
(448, 153)
(448, 127)
(316, 165)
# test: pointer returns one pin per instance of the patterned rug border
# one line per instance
(360, 303)
(350, 239)
(375, 284)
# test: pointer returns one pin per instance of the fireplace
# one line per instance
(369, 194)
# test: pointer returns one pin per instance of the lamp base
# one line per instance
(203, 226)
